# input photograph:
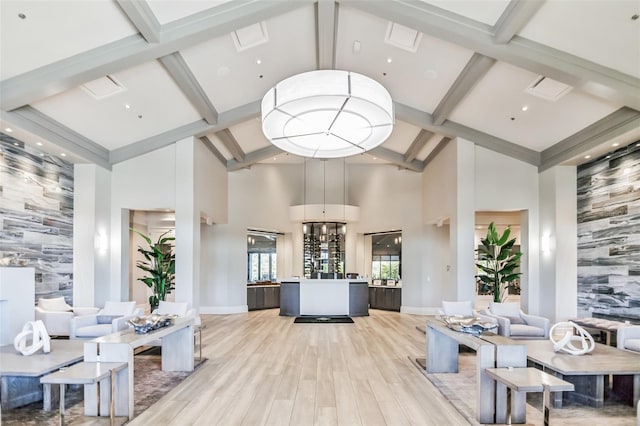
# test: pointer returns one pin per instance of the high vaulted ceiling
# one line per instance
(546, 82)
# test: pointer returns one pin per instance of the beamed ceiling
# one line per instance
(546, 82)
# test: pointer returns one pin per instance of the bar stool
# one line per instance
(85, 373)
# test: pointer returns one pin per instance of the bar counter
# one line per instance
(324, 297)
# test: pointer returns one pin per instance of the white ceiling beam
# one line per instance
(397, 159)
(418, 143)
(186, 80)
(585, 75)
(453, 129)
(254, 157)
(326, 27)
(211, 147)
(475, 69)
(603, 130)
(134, 50)
(515, 16)
(439, 147)
(39, 124)
(143, 18)
(232, 145)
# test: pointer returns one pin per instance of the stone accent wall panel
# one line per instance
(36, 216)
(609, 236)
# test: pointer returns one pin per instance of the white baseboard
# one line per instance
(419, 310)
(223, 310)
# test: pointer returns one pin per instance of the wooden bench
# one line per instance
(86, 373)
(519, 381)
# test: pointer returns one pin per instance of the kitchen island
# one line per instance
(329, 297)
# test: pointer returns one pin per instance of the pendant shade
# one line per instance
(327, 114)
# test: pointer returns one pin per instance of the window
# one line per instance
(262, 258)
(386, 261)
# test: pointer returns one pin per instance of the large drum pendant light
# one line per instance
(327, 114)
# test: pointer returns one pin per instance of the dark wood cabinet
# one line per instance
(387, 298)
(263, 297)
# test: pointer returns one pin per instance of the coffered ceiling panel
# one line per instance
(232, 78)
(599, 31)
(495, 106)
(109, 122)
(418, 79)
(487, 12)
(169, 11)
(36, 33)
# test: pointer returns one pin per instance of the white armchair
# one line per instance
(514, 323)
(629, 338)
(56, 315)
(112, 318)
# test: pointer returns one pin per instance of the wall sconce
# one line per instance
(101, 243)
(545, 243)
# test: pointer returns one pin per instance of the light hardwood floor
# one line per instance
(263, 369)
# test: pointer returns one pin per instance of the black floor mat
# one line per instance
(323, 320)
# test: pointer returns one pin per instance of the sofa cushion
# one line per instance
(457, 308)
(118, 308)
(516, 320)
(505, 309)
(172, 308)
(94, 330)
(56, 304)
(526, 331)
(632, 344)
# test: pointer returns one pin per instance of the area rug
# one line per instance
(150, 384)
(323, 320)
(460, 390)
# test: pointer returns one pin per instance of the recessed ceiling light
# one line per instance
(63, 154)
(587, 156)
(389, 60)
(127, 106)
(9, 129)
(39, 143)
(525, 107)
(258, 61)
(615, 144)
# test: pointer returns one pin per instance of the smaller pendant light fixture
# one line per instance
(327, 114)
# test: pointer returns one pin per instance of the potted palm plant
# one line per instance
(498, 262)
(160, 264)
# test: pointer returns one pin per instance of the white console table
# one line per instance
(177, 355)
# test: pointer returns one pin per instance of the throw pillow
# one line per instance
(57, 304)
(106, 319)
(505, 309)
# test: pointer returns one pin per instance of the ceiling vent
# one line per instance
(546, 88)
(403, 37)
(103, 87)
(251, 36)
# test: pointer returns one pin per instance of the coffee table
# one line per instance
(20, 375)
(589, 372)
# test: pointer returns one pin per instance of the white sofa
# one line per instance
(112, 318)
(628, 338)
(56, 315)
(514, 323)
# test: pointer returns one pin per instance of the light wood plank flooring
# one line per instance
(263, 369)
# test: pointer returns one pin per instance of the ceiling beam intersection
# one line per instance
(397, 159)
(253, 158)
(211, 147)
(439, 147)
(473, 72)
(143, 18)
(418, 143)
(232, 145)
(191, 88)
(515, 16)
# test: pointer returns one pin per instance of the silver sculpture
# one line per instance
(470, 325)
(145, 324)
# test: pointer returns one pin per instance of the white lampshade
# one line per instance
(327, 114)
